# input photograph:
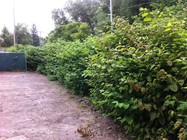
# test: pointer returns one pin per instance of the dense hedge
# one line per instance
(61, 61)
(140, 76)
(137, 75)
(34, 55)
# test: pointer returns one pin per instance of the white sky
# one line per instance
(30, 12)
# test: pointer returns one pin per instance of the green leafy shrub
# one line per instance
(61, 61)
(34, 55)
(66, 62)
(137, 74)
(139, 77)
(72, 63)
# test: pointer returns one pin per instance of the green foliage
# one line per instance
(34, 56)
(35, 36)
(83, 11)
(125, 8)
(137, 74)
(59, 17)
(23, 35)
(103, 22)
(161, 4)
(72, 63)
(61, 61)
(70, 32)
(6, 38)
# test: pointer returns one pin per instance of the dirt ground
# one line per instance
(33, 108)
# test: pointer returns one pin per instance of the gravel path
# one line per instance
(33, 108)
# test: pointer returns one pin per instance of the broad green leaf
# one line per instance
(183, 21)
(168, 29)
(173, 87)
(169, 24)
(181, 82)
(115, 102)
(123, 120)
(182, 106)
(143, 9)
(123, 105)
(144, 14)
(169, 103)
(120, 105)
(129, 120)
(153, 116)
(147, 19)
(126, 106)
(169, 63)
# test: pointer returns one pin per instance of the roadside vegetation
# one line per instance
(136, 73)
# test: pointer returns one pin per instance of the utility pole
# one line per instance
(14, 23)
(111, 15)
(40, 38)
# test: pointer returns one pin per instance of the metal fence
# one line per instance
(12, 61)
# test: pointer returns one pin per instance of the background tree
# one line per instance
(22, 35)
(124, 8)
(35, 37)
(1, 41)
(6, 38)
(70, 32)
(59, 17)
(83, 11)
(103, 21)
(160, 4)
(96, 13)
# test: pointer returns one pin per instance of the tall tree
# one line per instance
(103, 21)
(124, 8)
(1, 41)
(83, 11)
(70, 32)
(6, 38)
(22, 35)
(160, 4)
(35, 37)
(59, 17)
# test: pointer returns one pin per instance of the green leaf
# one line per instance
(169, 63)
(144, 14)
(123, 120)
(182, 106)
(173, 87)
(169, 103)
(147, 19)
(120, 105)
(181, 82)
(129, 120)
(169, 24)
(153, 116)
(168, 29)
(115, 102)
(143, 9)
(126, 106)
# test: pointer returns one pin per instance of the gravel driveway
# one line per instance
(33, 108)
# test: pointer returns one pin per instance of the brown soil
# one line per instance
(33, 108)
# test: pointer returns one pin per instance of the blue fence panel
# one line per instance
(12, 61)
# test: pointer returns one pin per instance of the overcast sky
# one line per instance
(29, 12)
